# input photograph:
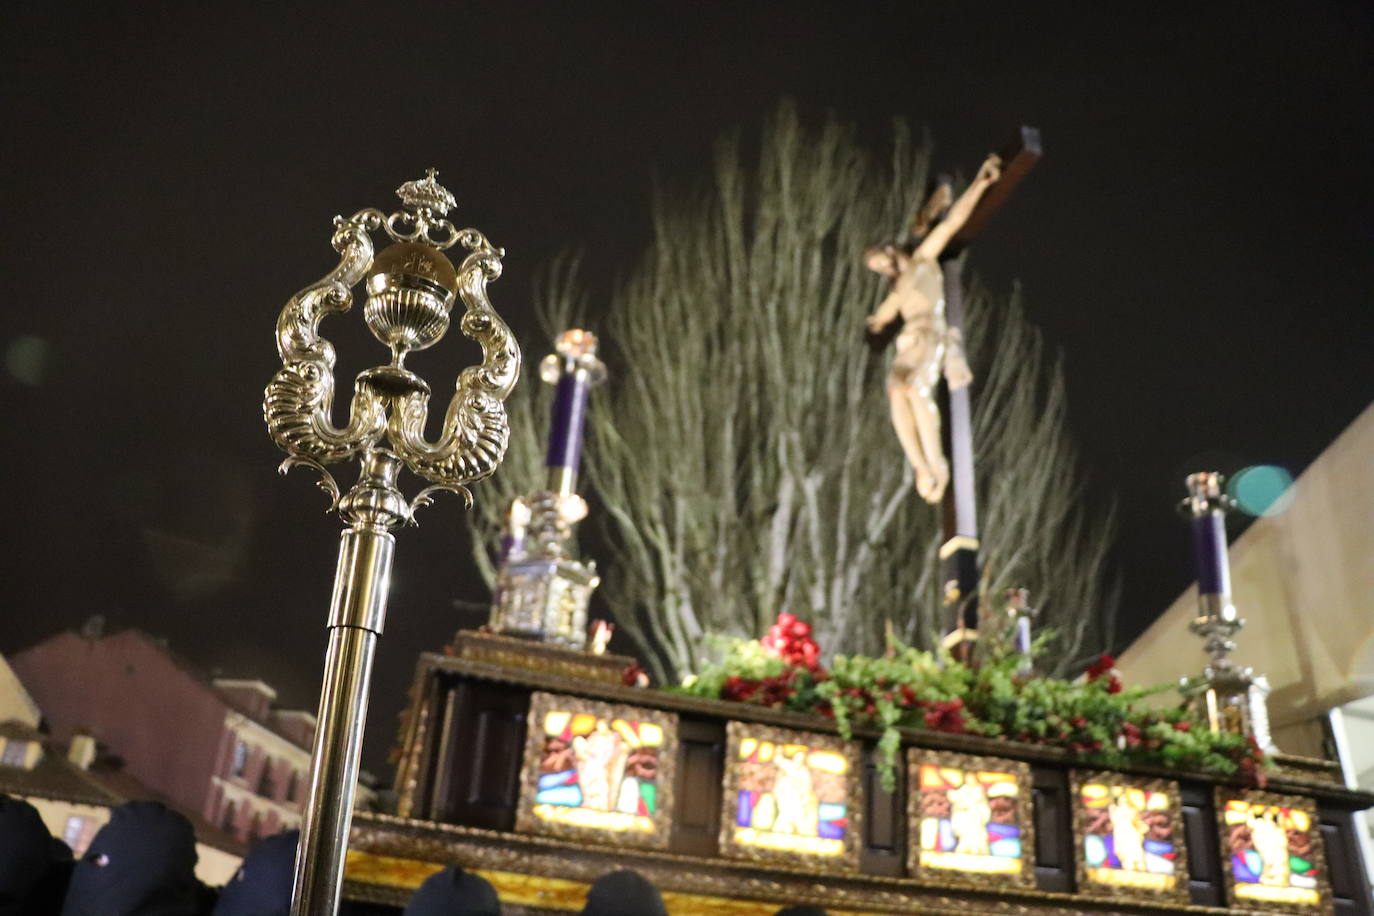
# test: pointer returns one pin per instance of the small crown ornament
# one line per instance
(427, 193)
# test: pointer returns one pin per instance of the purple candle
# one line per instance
(1023, 635)
(517, 521)
(573, 369)
(1209, 553)
(569, 418)
(1206, 505)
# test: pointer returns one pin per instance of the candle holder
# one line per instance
(541, 591)
(1231, 698)
(411, 288)
(1022, 615)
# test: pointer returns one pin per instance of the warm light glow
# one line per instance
(576, 343)
(598, 771)
(555, 722)
(1131, 878)
(828, 762)
(962, 861)
(1278, 894)
(960, 829)
(788, 796)
(785, 841)
(1265, 864)
(626, 732)
(597, 820)
(1128, 840)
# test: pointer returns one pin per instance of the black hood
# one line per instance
(142, 863)
(624, 893)
(262, 885)
(454, 892)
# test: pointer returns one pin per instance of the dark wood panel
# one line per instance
(700, 780)
(1344, 862)
(481, 746)
(434, 698)
(1206, 883)
(1054, 853)
(884, 820)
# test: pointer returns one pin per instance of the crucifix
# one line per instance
(928, 298)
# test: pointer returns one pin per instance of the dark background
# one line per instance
(1196, 241)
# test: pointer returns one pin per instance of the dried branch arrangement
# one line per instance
(740, 463)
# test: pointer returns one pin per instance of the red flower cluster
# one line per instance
(1250, 762)
(1105, 667)
(790, 640)
(771, 691)
(634, 676)
(947, 716)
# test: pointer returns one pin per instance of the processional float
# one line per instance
(536, 761)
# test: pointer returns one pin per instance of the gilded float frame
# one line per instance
(526, 821)
(1307, 806)
(1025, 813)
(1125, 893)
(848, 861)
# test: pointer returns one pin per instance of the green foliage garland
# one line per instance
(1094, 718)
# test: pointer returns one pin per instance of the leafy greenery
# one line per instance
(1093, 718)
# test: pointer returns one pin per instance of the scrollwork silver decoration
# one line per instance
(411, 289)
(389, 401)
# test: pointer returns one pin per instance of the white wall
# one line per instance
(1304, 582)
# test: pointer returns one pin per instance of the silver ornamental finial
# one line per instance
(427, 193)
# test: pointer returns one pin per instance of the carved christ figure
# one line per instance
(926, 346)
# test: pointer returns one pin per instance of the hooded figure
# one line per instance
(142, 863)
(262, 885)
(33, 865)
(624, 893)
(454, 892)
(804, 909)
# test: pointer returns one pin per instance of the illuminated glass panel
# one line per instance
(1129, 835)
(969, 816)
(598, 767)
(789, 794)
(1273, 852)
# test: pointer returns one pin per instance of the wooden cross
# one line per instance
(959, 567)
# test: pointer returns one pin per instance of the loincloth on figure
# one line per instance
(920, 351)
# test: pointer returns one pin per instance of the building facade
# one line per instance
(75, 795)
(216, 748)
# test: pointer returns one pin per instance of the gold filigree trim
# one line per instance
(560, 894)
(382, 837)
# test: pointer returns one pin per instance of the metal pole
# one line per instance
(411, 290)
(356, 615)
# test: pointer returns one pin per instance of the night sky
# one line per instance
(1196, 241)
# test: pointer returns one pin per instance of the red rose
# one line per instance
(1100, 667)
